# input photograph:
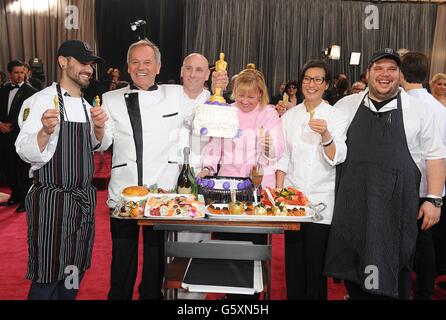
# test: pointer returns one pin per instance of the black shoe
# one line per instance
(20, 208)
(8, 203)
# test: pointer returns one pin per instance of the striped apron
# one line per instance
(60, 205)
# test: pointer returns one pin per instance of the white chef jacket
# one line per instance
(161, 123)
(422, 133)
(439, 112)
(306, 165)
(26, 144)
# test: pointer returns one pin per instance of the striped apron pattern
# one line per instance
(60, 205)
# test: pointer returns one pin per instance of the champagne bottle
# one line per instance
(194, 182)
(185, 179)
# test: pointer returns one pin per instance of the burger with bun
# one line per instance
(134, 201)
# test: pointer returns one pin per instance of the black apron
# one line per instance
(60, 205)
(377, 195)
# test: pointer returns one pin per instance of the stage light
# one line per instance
(135, 25)
(355, 57)
(139, 27)
(333, 52)
(325, 52)
(30, 6)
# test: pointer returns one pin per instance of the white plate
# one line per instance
(172, 196)
(147, 214)
(243, 217)
(170, 217)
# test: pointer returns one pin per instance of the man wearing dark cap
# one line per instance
(374, 229)
(59, 134)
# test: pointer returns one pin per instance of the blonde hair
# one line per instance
(252, 79)
(437, 76)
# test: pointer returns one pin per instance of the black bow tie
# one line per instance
(12, 87)
(152, 88)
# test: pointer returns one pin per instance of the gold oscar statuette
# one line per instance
(97, 101)
(25, 114)
(220, 65)
(312, 114)
(285, 98)
(56, 103)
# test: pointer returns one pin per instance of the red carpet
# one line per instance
(95, 285)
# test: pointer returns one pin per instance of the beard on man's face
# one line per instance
(382, 96)
(80, 79)
(84, 84)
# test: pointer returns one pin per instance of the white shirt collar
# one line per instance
(18, 84)
(417, 92)
(63, 91)
(389, 106)
(199, 98)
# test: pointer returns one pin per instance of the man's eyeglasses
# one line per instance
(317, 80)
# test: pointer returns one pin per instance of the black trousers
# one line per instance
(16, 174)
(424, 263)
(124, 268)
(355, 292)
(439, 240)
(304, 262)
(53, 291)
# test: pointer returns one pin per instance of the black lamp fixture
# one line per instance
(139, 24)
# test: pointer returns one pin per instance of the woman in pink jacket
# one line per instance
(261, 139)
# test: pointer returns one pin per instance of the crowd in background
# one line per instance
(341, 86)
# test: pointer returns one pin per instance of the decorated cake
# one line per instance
(218, 189)
(216, 119)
